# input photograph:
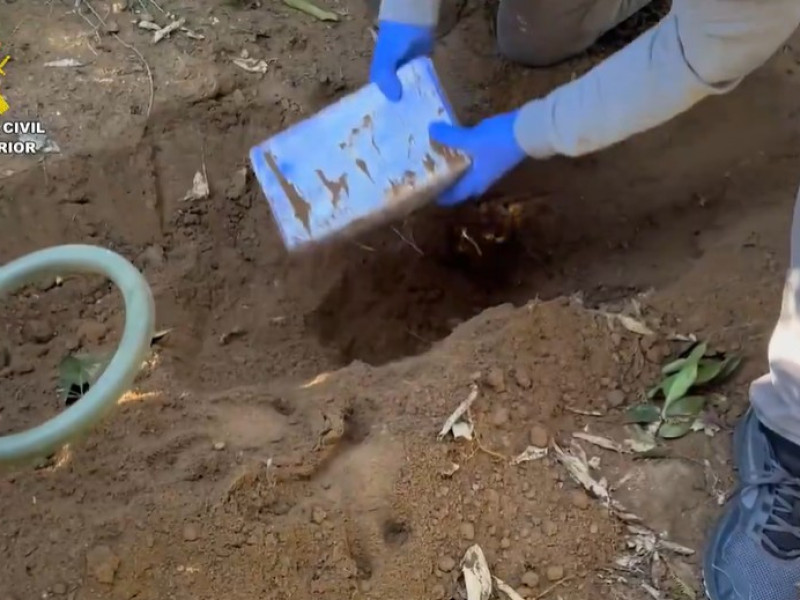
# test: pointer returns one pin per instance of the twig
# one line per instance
(407, 241)
(465, 235)
(130, 47)
(312, 10)
(556, 585)
(165, 31)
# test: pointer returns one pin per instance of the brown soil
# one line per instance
(282, 441)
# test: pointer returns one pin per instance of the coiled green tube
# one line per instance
(121, 371)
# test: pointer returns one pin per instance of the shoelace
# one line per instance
(785, 490)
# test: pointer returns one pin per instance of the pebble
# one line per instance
(615, 398)
(446, 564)
(37, 331)
(505, 543)
(539, 436)
(437, 592)
(522, 378)
(500, 416)
(102, 564)
(219, 446)
(318, 515)
(92, 332)
(530, 579)
(580, 500)
(594, 529)
(496, 379)
(555, 573)
(190, 533)
(549, 528)
(653, 355)
(467, 531)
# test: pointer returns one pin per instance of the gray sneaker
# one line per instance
(754, 552)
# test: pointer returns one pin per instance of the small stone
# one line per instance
(505, 543)
(153, 256)
(580, 500)
(102, 564)
(594, 529)
(653, 355)
(539, 436)
(190, 533)
(467, 531)
(438, 592)
(112, 26)
(37, 331)
(318, 515)
(522, 378)
(119, 6)
(496, 379)
(500, 416)
(92, 332)
(446, 564)
(615, 398)
(530, 579)
(237, 185)
(549, 528)
(59, 589)
(555, 573)
(219, 446)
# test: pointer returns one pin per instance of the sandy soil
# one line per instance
(282, 441)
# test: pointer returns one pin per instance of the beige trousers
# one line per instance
(544, 32)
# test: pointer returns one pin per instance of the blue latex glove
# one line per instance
(397, 44)
(493, 148)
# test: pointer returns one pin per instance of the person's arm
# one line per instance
(423, 13)
(703, 47)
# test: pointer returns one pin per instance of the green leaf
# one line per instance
(643, 413)
(688, 406)
(662, 387)
(674, 429)
(78, 373)
(681, 384)
(673, 367)
(708, 371)
(686, 377)
(729, 367)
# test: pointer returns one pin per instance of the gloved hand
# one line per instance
(491, 145)
(397, 44)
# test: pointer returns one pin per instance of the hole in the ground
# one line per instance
(395, 533)
(390, 301)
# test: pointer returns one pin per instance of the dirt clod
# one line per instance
(102, 564)
(530, 579)
(446, 564)
(580, 500)
(555, 573)
(37, 331)
(500, 416)
(467, 531)
(318, 515)
(539, 436)
(522, 378)
(190, 533)
(496, 379)
(615, 398)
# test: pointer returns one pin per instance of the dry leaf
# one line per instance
(507, 589)
(634, 326)
(463, 429)
(165, 31)
(64, 63)
(459, 412)
(199, 188)
(601, 442)
(530, 453)
(477, 577)
(252, 65)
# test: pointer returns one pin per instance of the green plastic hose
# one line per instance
(45, 439)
